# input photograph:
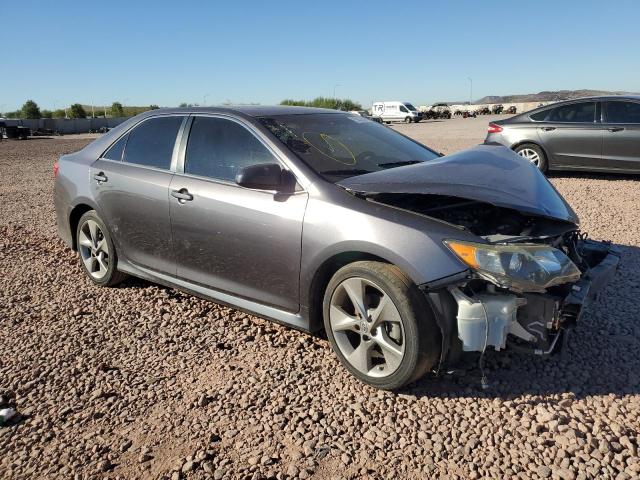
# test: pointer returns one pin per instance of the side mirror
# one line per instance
(266, 176)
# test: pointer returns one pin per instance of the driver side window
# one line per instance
(218, 148)
(403, 109)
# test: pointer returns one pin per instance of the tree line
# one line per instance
(31, 110)
(325, 102)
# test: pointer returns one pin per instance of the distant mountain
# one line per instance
(547, 96)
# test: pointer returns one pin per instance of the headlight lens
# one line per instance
(526, 267)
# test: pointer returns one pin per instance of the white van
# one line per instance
(396, 112)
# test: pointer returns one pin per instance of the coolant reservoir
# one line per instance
(497, 311)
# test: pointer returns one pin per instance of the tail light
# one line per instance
(493, 128)
(56, 168)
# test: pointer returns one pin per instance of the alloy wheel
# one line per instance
(530, 155)
(94, 249)
(367, 327)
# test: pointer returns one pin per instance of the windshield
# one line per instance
(340, 146)
(410, 107)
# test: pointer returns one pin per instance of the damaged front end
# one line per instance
(530, 272)
(528, 277)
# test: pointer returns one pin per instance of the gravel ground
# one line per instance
(142, 381)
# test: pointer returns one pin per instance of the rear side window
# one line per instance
(577, 113)
(218, 148)
(151, 143)
(540, 116)
(623, 112)
(115, 151)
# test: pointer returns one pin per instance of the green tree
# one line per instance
(153, 107)
(117, 110)
(77, 111)
(46, 113)
(325, 102)
(59, 113)
(30, 109)
(16, 114)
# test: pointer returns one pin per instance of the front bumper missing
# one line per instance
(526, 322)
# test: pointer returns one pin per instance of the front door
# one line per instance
(229, 238)
(621, 145)
(131, 186)
(572, 135)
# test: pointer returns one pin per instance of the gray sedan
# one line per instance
(595, 134)
(327, 221)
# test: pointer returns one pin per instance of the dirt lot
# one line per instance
(145, 382)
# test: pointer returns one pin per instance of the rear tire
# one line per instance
(386, 337)
(534, 154)
(96, 251)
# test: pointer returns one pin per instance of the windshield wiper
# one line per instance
(355, 171)
(397, 164)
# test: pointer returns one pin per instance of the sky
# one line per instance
(208, 52)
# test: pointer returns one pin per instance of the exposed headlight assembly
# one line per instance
(526, 267)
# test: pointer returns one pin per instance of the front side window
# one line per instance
(403, 109)
(623, 112)
(576, 113)
(218, 148)
(339, 146)
(410, 107)
(151, 143)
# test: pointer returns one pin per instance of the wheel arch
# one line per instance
(74, 217)
(322, 277)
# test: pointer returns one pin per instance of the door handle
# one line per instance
(182, 195)
(615, 129)
(100, 178)
(548, 129)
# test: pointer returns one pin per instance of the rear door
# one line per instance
(572, 135)
(621, 145)
(229, 238)
(131, 185)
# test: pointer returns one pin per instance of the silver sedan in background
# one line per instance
(593, 134)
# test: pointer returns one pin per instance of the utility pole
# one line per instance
(204, 99)
(470, 90)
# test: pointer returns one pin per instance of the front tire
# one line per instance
(96, 251)
(534, 154)
(380, 325)
(407, 120)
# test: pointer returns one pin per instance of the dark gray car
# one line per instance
(323, 220)
(595, 134)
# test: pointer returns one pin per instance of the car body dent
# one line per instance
(484, 173)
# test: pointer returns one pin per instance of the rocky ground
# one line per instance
(141, 381)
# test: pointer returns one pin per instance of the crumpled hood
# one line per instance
(486, 173)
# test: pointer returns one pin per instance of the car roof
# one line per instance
(250, 110)
(601, 97)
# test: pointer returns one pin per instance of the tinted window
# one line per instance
(151, 143)
(115, 151)
(218, 148)
(577, 112)
(540, 116)
(403, 109)
(338, 146)
(623, 112)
